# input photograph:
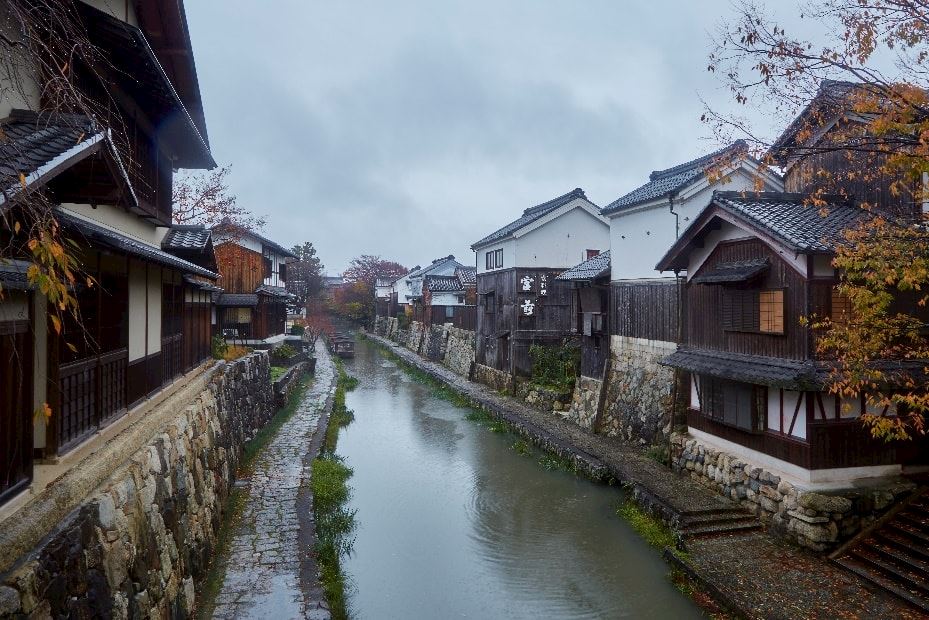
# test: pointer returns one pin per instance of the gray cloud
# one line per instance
(412, 129)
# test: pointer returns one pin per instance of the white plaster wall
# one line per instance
(822, 266)
(120, 9)
(562, 242)
(641, 236)
(774, 409)
(120, 220)
(509, 255)
(154, 312)
(446, 299)
(694, 394)
(137, 310)
(790, 403)
(19, 89)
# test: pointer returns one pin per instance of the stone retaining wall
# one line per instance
(459, 351)
(417, 334)
(640, 391)
(817, 520)
(541, 398)
(286, 385)
(491, 377)
(583, 409)
(135, 546)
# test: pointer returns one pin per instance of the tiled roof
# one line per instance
(798, 226)
(95, 233)
(588, 270)
(663, 183)
(530, 215)
(13, 275)
(204, 286)
(731, 272)
(776, 372)
(227, 227)
(237, 300)
(186, 237)
(443, 284)
(273, 291)
(467, 275)
(39, 147)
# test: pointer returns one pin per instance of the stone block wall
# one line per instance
(541, 398)
(640, 391)
(583, 408)
(818, 520)
(434, 343)
(416, 336)
(459, 350)
(491, 377)
(136, 545)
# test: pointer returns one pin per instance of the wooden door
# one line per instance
(15, 408)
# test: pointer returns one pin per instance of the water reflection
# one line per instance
(453, 523)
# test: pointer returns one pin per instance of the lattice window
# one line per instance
(771, 312)
(841, 307)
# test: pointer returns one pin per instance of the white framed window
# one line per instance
(493, 259)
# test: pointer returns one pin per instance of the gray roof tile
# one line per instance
(237, 300)
(797, 225)
(13, 275)
(94, 233)
(588, 270)
(530, 215)
(662, 183)
(777, 372)
(186, 237)
(734, 271)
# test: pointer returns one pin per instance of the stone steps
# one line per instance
(894, 555)
(717, 521)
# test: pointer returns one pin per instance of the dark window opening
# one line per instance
(742, 405)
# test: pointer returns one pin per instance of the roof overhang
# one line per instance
(139, 73)
(735, 272)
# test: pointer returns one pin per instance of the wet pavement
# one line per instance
(269, 570)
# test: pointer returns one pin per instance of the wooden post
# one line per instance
(601, 397)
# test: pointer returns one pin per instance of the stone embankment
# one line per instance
(134, 544)
(747, 569)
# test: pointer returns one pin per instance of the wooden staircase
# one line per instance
(716, 521)
(894, 552)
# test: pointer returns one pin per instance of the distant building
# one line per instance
(519, 300)
(253, 305)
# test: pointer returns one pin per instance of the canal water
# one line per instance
(455, 523)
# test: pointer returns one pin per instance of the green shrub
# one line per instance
(218, 347)
(285, 351)
(277, 372)
(297, 330)
(555, 367)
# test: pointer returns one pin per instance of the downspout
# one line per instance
(680, 331)
(677, 220)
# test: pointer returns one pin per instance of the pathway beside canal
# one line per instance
(270, 571)
(754, 573)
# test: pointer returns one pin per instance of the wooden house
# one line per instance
(519, 300)
(755, 264)
(253, 306)
(410, 288)
(143, 322)
(591, 282)
(451, 299)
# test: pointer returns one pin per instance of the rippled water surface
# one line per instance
(453, 523)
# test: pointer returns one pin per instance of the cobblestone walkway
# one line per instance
(270, 572)
(755, 573)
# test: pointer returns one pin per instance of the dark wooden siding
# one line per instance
(704, 318)
(868, 183)
(16, 345)
(242, 270)
(647, 310)
(505, 335)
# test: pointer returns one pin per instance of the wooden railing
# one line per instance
(92, 393)
(172, 348)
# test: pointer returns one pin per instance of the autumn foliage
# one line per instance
(873, 125)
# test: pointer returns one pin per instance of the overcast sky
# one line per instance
(410, 129)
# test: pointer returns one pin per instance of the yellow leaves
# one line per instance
(22, 180)
(16, 227)
(56, 323)
(43, 412)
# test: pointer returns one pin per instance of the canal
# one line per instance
(453, 522)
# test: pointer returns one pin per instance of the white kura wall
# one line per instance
(640, 236)
(509, 255)
(562, 242)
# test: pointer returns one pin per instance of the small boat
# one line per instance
(341, 344)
